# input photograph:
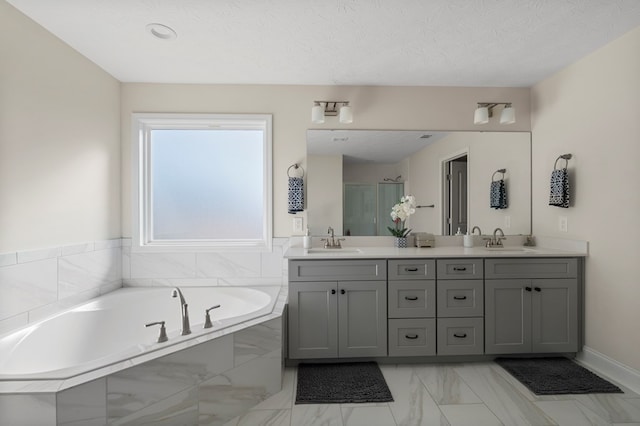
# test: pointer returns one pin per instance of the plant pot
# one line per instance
(400, 242)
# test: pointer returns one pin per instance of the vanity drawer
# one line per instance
(412, 299)
(531, 268)
(460, 298)
(412, 269)
(412, 337)
(338, 270)
(460, 269)
(460, 336)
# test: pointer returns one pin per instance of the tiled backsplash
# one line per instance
(38, 283)
(205, 268)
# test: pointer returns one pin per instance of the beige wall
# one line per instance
(416, 108)
(59, 141)
(591, 109)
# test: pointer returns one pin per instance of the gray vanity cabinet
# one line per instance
(531, 315)
(412, 307)
(337, 315)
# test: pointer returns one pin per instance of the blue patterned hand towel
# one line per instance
(296, 195)
(559, 194)
(498, 195)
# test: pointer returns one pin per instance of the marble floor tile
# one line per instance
(445, 386)
(570, 413)
(412, 405)
(502, 397)
(263, 418)
(316, 415)
(367, 416)
(612, 407)
(286, 397)
(470, 414)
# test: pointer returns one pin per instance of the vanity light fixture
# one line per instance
(485, 110)
(322, 109)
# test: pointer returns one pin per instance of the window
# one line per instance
(201, 181)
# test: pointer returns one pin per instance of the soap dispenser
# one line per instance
(306, 240)
(467, 240)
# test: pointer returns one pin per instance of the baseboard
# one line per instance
(609, 367)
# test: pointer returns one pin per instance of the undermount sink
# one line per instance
(334, 251)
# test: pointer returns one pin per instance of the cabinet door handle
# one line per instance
(411, 298)
(411, 269)
(459, 269)
(333, 291)
(537, 289)
(460, 336)
(459, 297)
(342, 291)
(411, 336)
(528, 288)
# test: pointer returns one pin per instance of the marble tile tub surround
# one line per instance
(38, 283)
(205, 268)
(207, 384)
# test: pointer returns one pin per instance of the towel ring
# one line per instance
(296, 167)
(565, 157)
(498, 171)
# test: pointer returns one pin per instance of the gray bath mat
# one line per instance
(341, 383)
(555, 376)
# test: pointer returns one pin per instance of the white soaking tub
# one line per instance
(110, 330)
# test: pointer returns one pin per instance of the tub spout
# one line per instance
(184, 311)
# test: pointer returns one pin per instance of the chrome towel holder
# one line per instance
(565, 157)
(503, 171)
(295, 166)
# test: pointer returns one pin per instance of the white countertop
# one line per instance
(431, 252)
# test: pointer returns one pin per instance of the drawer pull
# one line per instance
(528, 288)
(411, 298)
(333, 291)
(342, 291)
(460, 336)
(459, 269)
(411, 269)
(537, 289)
(411, 336)
(459, 297)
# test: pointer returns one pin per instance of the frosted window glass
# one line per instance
(207, 184)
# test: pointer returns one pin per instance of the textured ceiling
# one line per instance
(503, 43)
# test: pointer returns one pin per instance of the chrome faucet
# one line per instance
(331, 242)
(184, 311)
(496, 241)
(474, 230)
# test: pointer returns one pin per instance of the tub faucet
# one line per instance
(184, 311)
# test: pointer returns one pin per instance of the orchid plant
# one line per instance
(399, 213)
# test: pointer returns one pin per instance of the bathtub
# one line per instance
(108, 333)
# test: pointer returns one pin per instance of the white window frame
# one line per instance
(142, 125)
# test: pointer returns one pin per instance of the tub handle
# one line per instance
(207, 318)
(163, 331)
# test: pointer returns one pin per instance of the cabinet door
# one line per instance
(554, 315)
(362, 318)
(313, 326)
(507, 316)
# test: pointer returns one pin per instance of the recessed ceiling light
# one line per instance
(162, 32)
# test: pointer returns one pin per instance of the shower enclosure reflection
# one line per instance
(367, 207)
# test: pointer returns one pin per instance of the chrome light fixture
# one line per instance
(484, 111)
(322, 109)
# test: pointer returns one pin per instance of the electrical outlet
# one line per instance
(562, 224)
(297, 224)
(507, 221)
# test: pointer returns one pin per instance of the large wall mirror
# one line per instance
(354, 177)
